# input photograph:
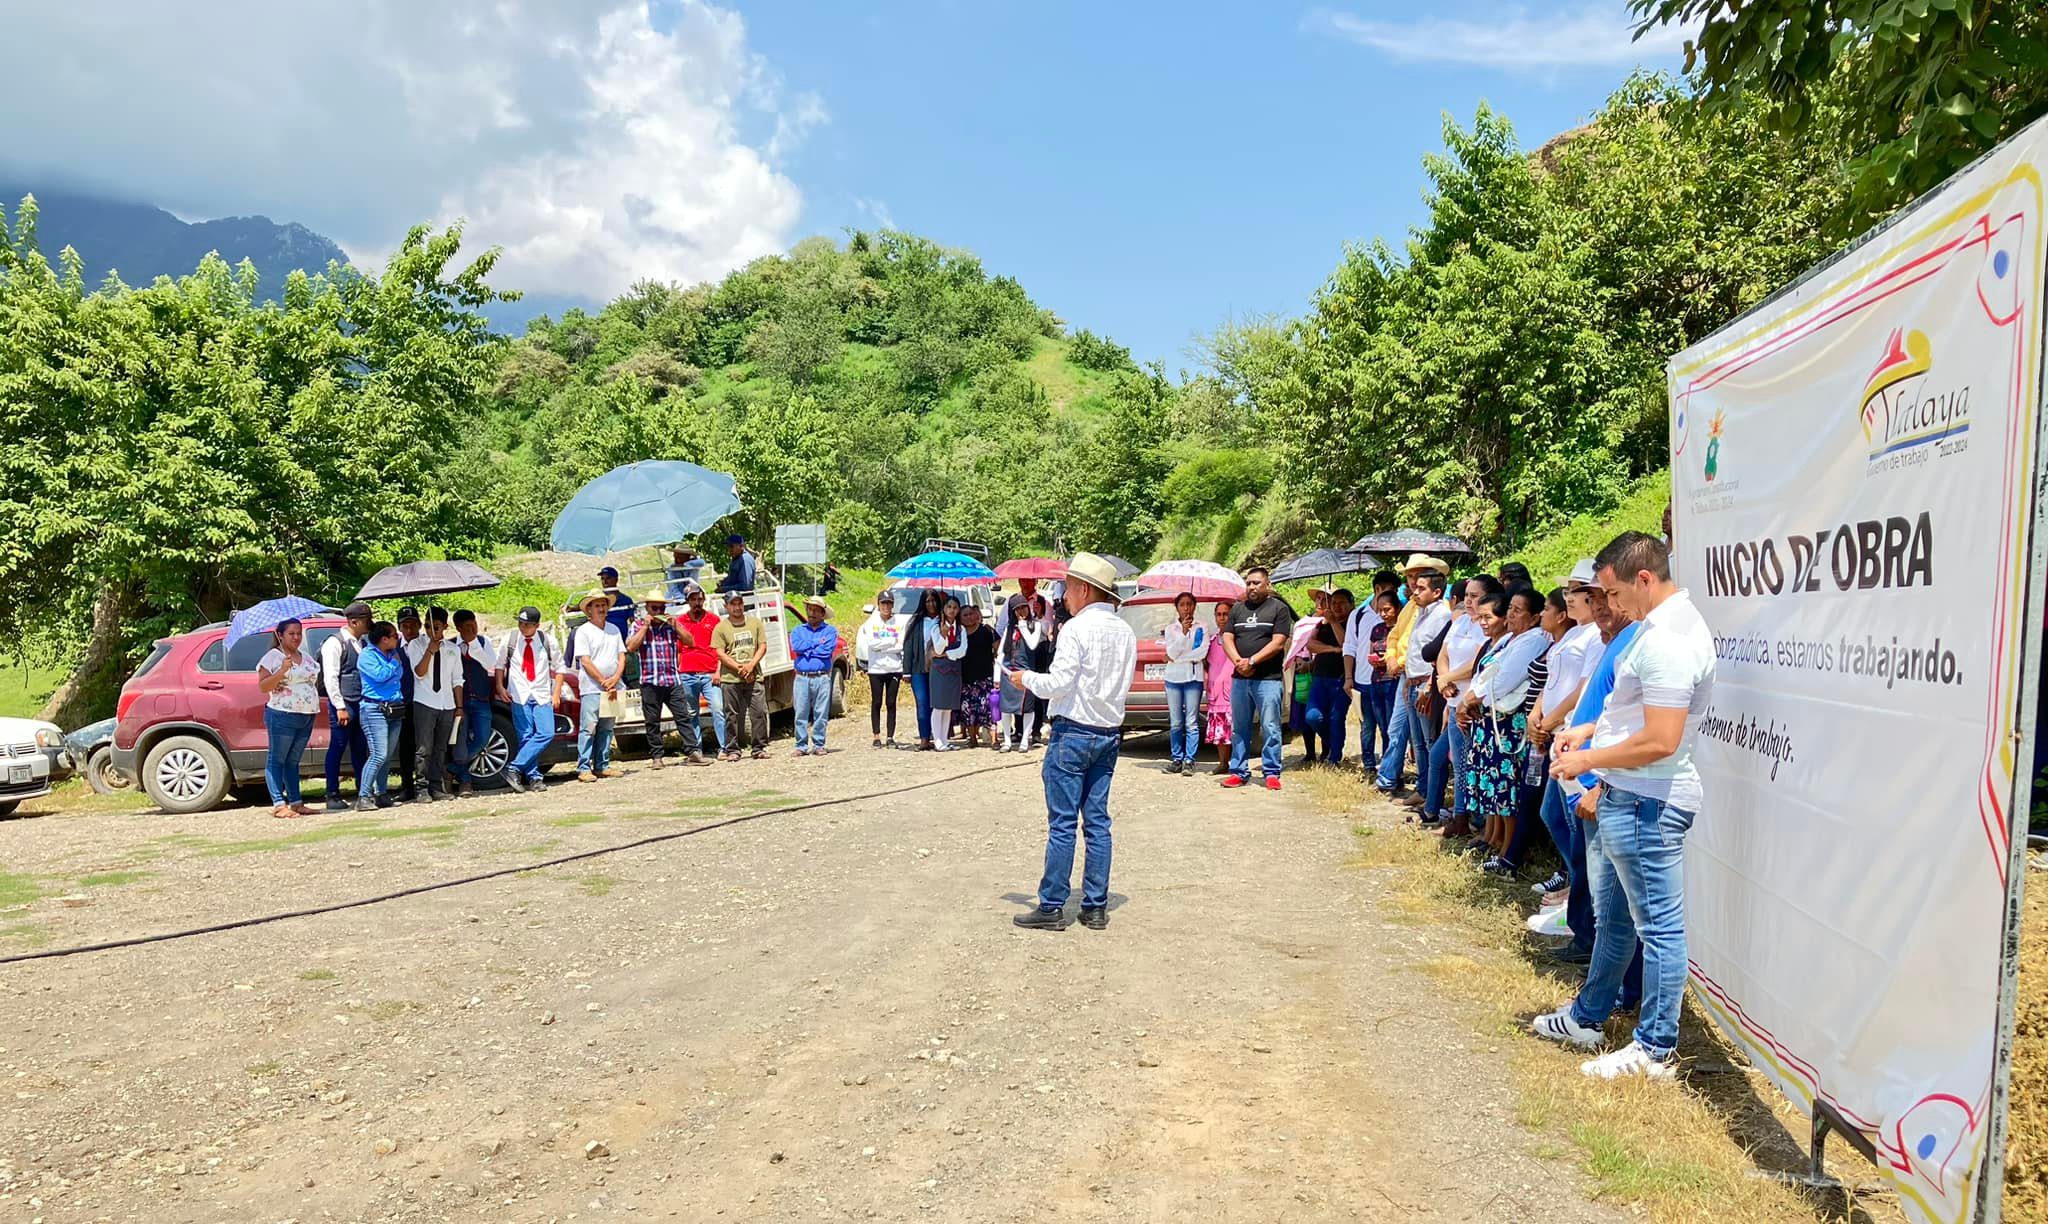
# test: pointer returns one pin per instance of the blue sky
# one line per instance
(1146, 170)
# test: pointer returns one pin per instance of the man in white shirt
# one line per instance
(1642, 746)
(344, 692)
(600, 653)
(527, 665)
(473, 716)
(437, 693)
(1090, 680)
(1431, 616)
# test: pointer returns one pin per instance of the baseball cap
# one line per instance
(529, 615)
(408, 613)
(607, 572)
(359, 610)
(735, 538)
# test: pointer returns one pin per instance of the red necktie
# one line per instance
(529, 660)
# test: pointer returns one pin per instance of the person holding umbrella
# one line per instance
(342, 684)
(660, 641)
(945, 646)
(1088, 685)
(917, 663)
(290, 684)
(437, 699)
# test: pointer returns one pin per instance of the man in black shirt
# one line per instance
(1260, 625)
(1328, 703)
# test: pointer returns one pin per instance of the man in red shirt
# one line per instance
(696, 663)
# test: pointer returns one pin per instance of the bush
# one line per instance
(1642, 509)
(1215, 480)
(1094, 352)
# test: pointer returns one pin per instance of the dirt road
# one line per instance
(817, 1015)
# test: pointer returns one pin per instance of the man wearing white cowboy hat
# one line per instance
(1088, 684)
(1421, 623)
(600, 660)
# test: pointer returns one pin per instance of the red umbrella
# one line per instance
(1047, 568)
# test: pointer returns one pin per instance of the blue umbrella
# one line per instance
(269, 615)
(654, 501)
(941, 568)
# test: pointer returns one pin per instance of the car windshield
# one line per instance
(1149, 620)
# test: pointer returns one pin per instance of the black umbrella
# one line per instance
(426, 578)
(1410, 541)
(1324, 562)
(1123, 568)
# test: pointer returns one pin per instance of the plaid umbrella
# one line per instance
(1410, 541)
(943, 569)
(269, 615)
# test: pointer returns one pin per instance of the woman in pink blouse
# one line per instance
(1218, 694)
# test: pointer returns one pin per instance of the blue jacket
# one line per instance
(381, 675)
(1600, 685)
(812, 649)
(739, 575)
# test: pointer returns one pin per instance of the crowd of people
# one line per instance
(952, 660)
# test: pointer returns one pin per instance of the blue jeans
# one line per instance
(921, 692)
(1375, 721)
(1079, 762)
(345, 740)
(1184, 713)
(534, 724)
(476, 732)
(1408, 729)
(1327, 706)
(1569, 834)
(1638, 892)
(813, 709)
(703, 686)
(1248, 695)
(289, 734)
(1447, 764)
(593, 736)
(380, 732)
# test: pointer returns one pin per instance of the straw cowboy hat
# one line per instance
(818, 601)
(1425, 562)
(656, 595)
(594, 596)
(1096, 572)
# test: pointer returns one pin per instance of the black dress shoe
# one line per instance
(337, 805)
(1567, 956)
(1043, 920)
(1094, 918)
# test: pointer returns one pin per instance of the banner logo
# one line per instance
(1899, 412)
(1713, 467)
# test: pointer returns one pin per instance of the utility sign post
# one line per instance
(1856, 476)
(799, 544)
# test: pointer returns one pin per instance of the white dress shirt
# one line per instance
(423, 690)
(1092, 667)
(1569, 667)
(1509, 669)
(330, 660)
(1428, 624)
(486, 657)
(1670, 665)
(546, 661)
(1461, 648)
(1187, 654)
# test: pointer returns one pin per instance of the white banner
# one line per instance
(1853, 479)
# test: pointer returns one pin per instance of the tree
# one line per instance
(1924, 86)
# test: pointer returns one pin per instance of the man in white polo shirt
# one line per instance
(1642, 746)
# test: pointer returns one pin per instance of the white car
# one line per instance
(32, 756)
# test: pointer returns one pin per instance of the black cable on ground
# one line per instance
(416, 890)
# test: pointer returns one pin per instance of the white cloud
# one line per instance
(1591, 35)
(593, 146)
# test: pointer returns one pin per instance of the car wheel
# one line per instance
(185, 774)
(838, 693)
(101, 775)
(487, 771)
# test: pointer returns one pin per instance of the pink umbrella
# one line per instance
(1202, 579)
(1042, 568)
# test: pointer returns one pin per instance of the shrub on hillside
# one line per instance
(1094, 352)
(1214, 480)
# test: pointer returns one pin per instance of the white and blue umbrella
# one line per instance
(269, 615)
(654, 501)
(942, 569)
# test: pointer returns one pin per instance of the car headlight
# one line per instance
(49, 737)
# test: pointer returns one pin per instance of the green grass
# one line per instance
(264, 1068)
(1623, 1172)
(18, 889)
(25, 687)
(317, 975)
(364, 827)
(30, 935)
(1068, 387)
(580, 818)
(113, 879)
(1642, 509)
(598, 885)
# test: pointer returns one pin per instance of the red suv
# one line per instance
(1148, 613)
(190, 722)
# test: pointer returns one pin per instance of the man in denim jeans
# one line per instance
(1650, 792)
(1088, 685)
(1260, 626)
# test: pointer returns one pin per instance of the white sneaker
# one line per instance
(1559, 1026)
(1549, 922)
(1629, 1060)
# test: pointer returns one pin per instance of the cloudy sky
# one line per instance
(1146, 170)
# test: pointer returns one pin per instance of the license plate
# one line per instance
(1155, 671)
(19, 773)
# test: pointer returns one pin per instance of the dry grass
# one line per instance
(2026, 1149)
(1693, 1153)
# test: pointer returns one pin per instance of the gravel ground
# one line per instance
(814, 1015)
